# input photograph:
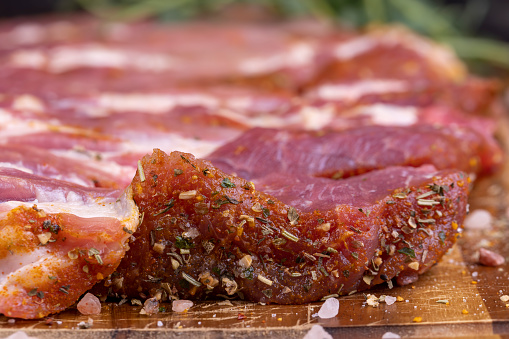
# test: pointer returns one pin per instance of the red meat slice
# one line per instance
(57, 240)
(259, 152)
(205, 232)
(41, 162)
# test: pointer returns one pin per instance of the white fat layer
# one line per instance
(32, 33)
(67, 58)
(28, 102)
(172, 142)
(391, 115)
(300, 54)
(355, 91)
(105, 166)
(351, 48)
(25, 34)
(241, 103)
(18, 166)
(61, 201)
(152, 103)
(11, 126)
(309, 118)
(440, 55)
(17, 262)
(313, 118)
(265, 120)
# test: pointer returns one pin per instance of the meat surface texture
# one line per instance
(57, 240)
(394, 118)
(206, 233)
(259, 152)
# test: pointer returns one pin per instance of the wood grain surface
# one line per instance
(473, 291)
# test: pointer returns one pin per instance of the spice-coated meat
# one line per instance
(259, 151)
(57, 239)
(206, 233)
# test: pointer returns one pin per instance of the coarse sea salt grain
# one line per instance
(390, 300)
(329, 309)
(181, 305)
(317, 332)
(478, 219)
(89, 305)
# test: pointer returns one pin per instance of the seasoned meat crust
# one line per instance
(206, 233)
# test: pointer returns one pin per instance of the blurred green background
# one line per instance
(477, 29)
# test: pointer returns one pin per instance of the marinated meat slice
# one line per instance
(57, 240)
(259, 152)
(206, 233)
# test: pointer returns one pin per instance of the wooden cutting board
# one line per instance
(473, 292)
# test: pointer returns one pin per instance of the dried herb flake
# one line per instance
(407, 251)
(226, 183)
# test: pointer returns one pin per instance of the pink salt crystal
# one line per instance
(490, 258)
(390, 300)
(329, 309)
(151, 306)
(181, 305)
(89, 305)
(478, 220)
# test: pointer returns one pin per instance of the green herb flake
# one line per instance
(227, 200)
(346, 273)
(96, 254)
(32, 292)
(183, 243)
(270, 202)
(169, 205)
(128, 231)
(322, 269)
(265, 212)
(177, 171)
(226, 183)
(407, 251)
(355, 255)
(64, 289)
(441, 235)
(356, 230)
(268, 293)
(248, 273)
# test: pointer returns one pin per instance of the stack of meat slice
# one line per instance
(336, 159)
